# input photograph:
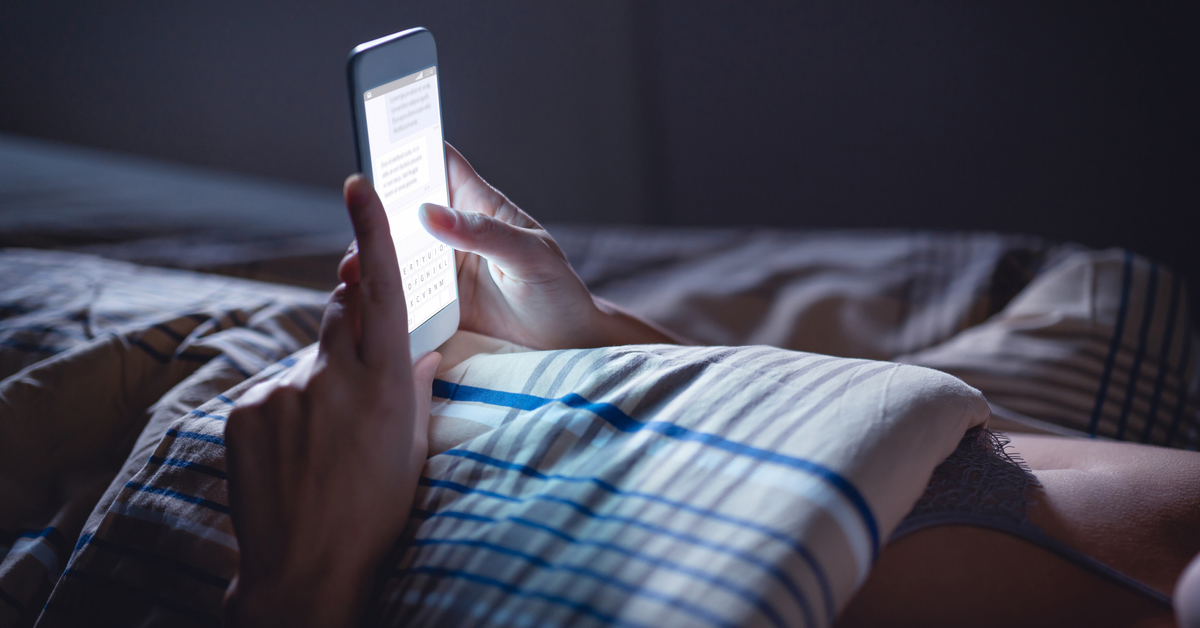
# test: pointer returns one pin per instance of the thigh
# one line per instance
(1131, 506)
(970, 576)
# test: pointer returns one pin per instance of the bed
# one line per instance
(836, 370)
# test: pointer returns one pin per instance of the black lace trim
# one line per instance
(981, 481)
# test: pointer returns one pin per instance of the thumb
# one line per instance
(519, 252)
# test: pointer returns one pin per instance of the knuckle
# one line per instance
(480, 225)
(323, 378)
(382, 290)
(337, 298)
(282, 395)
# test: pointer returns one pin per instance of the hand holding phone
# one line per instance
(353, 413)
(510, 279)
(514, 281)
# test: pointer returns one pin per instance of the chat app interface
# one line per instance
(408, 163)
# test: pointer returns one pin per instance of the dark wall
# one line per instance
(539, 98)
(1070, 120)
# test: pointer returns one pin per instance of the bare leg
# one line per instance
(1135, 507)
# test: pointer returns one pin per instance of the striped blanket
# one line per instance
(1060, 338)
(629, 486)
(645, 485)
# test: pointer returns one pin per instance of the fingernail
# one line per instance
(357, 190)
(443, 217)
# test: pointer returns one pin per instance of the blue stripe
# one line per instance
(1164, 359)
(36, 534)
(1143, 338)
(462, 392)
(191, 499)
(740, 591)
(52, 535)
(226, 400)
(174, 335)
(1115, 346)
(44, 328)
(13, 602)
(199, 358)
(511, 466)
(198, 413)
(579, 607)
(623, 422)
(216, 440)
(237, 367)
(189, 465)
(451, 514)
(460, 488)
(805, 554)
(164, 358)
(757, 601)
(784, 579)
(675, 602)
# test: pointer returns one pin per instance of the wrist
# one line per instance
(619, 327)
(314, 599)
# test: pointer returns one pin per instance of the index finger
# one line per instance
(469, 192)
(383, 313)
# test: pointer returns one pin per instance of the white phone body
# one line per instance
(396, 104)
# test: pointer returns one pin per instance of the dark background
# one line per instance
(1068, 120)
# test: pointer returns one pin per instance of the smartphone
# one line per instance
(397, 115)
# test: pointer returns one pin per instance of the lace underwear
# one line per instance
(982, 484)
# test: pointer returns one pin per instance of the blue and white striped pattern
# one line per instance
(1098, 343)
(1101, 344)
(628, 486)
(91, 350)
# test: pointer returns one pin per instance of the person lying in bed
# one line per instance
(358, 417)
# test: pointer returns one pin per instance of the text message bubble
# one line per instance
(403, 171)
(411, 108)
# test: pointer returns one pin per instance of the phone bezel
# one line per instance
(370, 65)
